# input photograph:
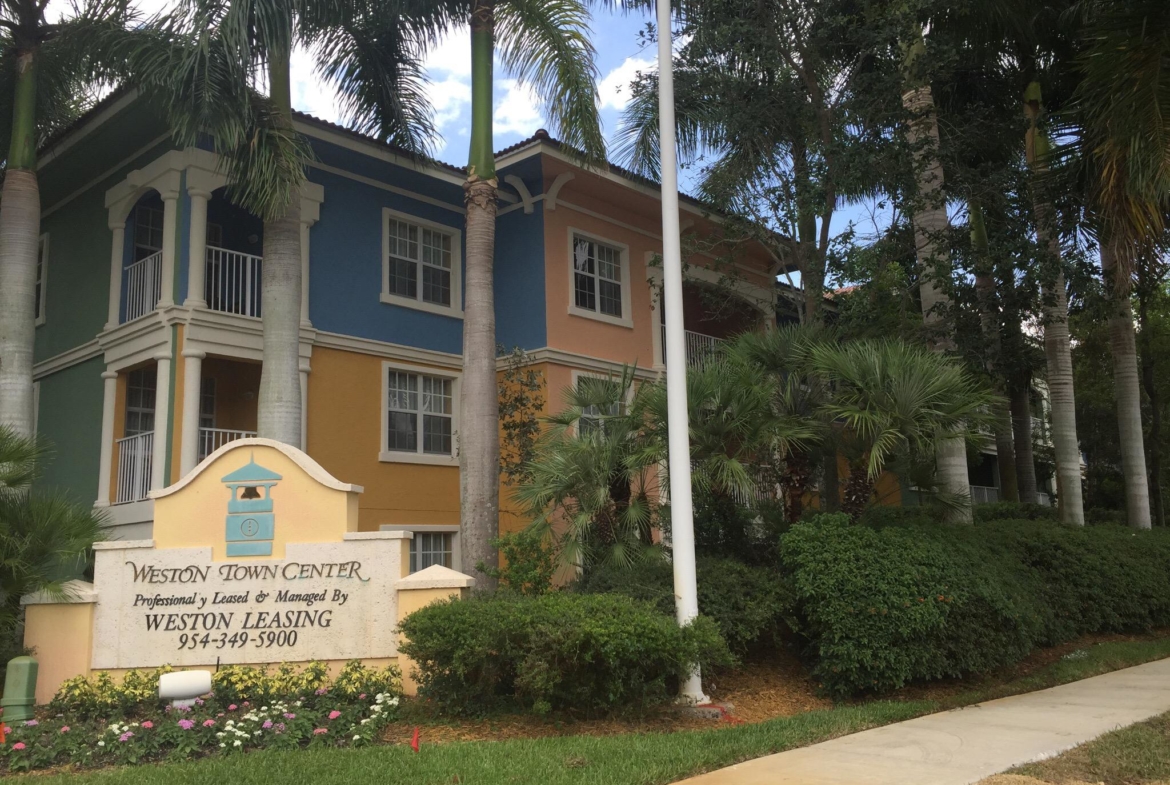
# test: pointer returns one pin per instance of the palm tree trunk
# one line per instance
(1057, 349)
(1005, 453)
(858, 490)
(20, 222)
(279, 406)
(479, 441)
(930, 224)
(812, 261)
(1126, 391)
(1022, 428)
(1149, 383)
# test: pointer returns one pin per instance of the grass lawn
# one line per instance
(1130, 756)
(633, 759)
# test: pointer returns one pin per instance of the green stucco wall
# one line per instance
(69, 419)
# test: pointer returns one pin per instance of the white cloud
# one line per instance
(310, 93)
(452, 54)
(518, 111)
(615, 87)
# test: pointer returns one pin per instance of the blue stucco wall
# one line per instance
(519, 267)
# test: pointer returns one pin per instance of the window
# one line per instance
(600, 280)
(207, 402)
(419, 424)
(430, 548)
(148, 231)
(215, 235)
(140, 401)
(42, 272)
(421, 265)
(593, 416)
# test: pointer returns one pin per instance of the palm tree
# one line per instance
(45, 538)
(543, 43)
(893, 398)
(930, 226)
(206, 80)
(1121, 145)
(47, 75)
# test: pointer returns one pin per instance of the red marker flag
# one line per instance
(414, 740)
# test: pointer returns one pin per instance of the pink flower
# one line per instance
(280, 727)
(321, 691)
(219, 715)
(247, 704)
(64, 728)
(189, 724)
(233, 707)
(362, 697)
(289, 716)
(31, 723)
(126, 736)
(18, 745)
(199, 701)
(319, 731)
(209, 723)
(267, 724)
(334, 714)
(148, 724)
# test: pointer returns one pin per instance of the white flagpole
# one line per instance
(682, 524)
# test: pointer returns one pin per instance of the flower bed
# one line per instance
(95, 722)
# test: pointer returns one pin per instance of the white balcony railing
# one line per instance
(984, 494)
(134, 464)
(143, 286)
(211, 439)
(232, 282)
(699, 346)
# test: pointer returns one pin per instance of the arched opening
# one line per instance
(234, 261)
(711, 315)
(142, 257)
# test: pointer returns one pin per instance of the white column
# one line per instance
(162, 416)
(304, 408)
(170, 224)
(117, 247)
(192, 378)
(681, 511)
(197, 250)
(106, 462)
(305, 274)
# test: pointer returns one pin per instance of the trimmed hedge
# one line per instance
(560, 651)
(748, 604)
(881, 607)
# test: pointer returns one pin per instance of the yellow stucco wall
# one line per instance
(345, 437)
(61, 637)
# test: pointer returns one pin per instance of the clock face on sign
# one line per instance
(249, 527)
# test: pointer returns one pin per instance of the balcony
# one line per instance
(700, 347)
(143, 286)
(232, 281)
(135, 455)
(984, 494)
(211, 439)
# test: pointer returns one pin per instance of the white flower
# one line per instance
(357, 738)
(237, 743)
(367, 719)
(263, 708)
(222, 744)
(219, 735)
(257, 733)
(101, 744)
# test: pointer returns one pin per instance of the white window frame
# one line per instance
(615, 377)
(42, 277)
(627, 317)
(456, 308)
(387, 455)
(453, 530)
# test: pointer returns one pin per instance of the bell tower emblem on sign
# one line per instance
(251, 523)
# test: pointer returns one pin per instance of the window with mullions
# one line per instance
(148, 231)
(594, 415)
(430, 548)
(140, 387)
(597, 277)
(420, 413)
(419, 263)
(207, 402)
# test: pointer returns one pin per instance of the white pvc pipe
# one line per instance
(682, 524)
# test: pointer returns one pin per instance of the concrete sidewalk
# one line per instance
(965, 745)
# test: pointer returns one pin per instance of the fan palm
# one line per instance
(48, 72)
(544, 44)
(45, 538)
(206, 75)
(891, 398)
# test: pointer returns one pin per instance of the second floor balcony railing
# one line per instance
(135, 454)
(211, 439)
(232, 282)
(143, 286)
(984, 494)
(699, 346)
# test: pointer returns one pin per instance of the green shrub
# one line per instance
(1101, 516)
(879, 516)
(748, 604)
(1013, 511)
(881, 607)
(559, 651)
(529, 564)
